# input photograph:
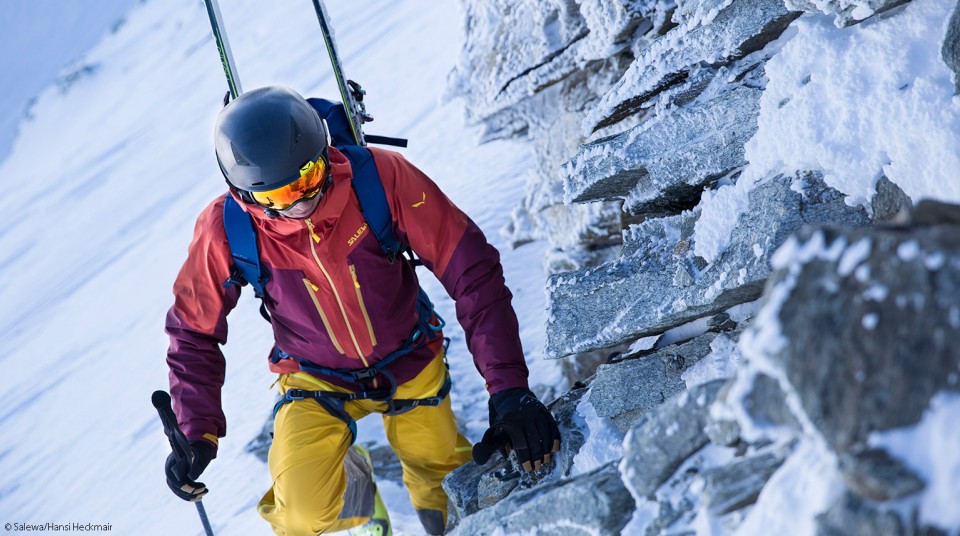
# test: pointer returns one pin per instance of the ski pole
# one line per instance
(179, 444)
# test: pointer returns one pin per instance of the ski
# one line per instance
(226, 55)
(350, 91)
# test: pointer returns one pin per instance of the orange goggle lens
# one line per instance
(308, 185)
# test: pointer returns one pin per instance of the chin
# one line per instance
(302, 209)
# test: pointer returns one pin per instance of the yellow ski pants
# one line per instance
(310, 446)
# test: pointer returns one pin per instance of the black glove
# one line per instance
(182, 473)
(520, 421)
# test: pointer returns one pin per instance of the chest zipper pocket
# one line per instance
(312, 291)
(363, 307)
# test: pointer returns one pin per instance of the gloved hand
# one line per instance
(519, 421)
(182, 473)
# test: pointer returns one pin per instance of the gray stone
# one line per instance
(635, 295)
(516, 49)
(738, 484)
(929, 212)
(890, 202)
(495, 54)
(564, 410)
(766, 404)
(259, 446)
(663, 164)
(473, 487)
(846, 13)
(871, 344)
(852, 516)
(875, 475)
(629, 390)
(386, 465)
(657, 446)
(722, 432)
(592, 503)
(950, 51)
(742, 27)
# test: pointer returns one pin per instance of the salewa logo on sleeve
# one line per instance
(424, 200)
(357, 235)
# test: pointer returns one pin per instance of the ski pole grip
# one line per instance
(178, 441)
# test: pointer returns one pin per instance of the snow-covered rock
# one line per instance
(663, 164)
(847, 12)
(629, 390)
(738, 484)
(723, 130)
(592, 503)
(662, 283)
(890, 294)
(718, 32)
(657, 446)
(950, 51)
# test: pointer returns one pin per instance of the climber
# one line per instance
(319, 229)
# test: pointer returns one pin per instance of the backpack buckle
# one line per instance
(364, 374)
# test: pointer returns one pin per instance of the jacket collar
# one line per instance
(326, 214)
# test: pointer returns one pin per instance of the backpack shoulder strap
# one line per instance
(373, 199)
(242, 238)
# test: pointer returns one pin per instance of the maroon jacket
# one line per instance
(334, 297)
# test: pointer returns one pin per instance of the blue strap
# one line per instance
(242, 239)
(373, 199)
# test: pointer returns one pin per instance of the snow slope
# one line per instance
(111, 173)
(33, 54)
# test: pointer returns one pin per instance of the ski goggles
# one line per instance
(306, 186)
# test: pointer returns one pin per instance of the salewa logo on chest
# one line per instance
(356, 235)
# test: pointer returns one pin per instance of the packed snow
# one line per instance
(863, 102)
(856, 103)
(603, 440)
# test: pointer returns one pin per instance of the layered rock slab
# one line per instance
(655, 447)
(659, 283)
(720, 32)
(629, 390)
(592, 503)
(664, 163)
(473, 487)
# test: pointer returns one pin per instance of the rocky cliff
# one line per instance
(758, 321)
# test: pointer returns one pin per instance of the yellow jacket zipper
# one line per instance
(343, 311)
(312, 289)
(363, 307)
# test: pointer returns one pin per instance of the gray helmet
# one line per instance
(264, 137)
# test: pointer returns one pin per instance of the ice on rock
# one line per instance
(730, 31)
(625, 299)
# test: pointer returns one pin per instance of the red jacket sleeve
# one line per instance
(457, 252)
(197, 327)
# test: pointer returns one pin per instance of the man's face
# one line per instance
(302, 209)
